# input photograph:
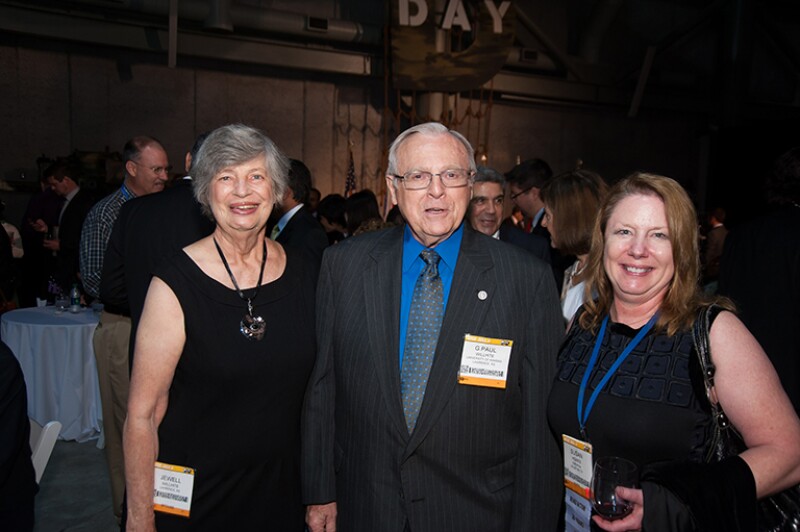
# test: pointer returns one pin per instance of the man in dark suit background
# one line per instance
(485, 214)
(525, 182)
(62, 177)
(296, 227)
(35, 268)
(147, 229)
(477, 454)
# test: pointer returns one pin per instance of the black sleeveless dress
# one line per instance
(234, 404)
(653, 409)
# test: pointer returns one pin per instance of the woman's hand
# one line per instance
(321, 517)
(633, 521)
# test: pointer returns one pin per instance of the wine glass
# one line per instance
(62, 303)
(609, 473)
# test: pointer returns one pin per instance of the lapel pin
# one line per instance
(482, 295)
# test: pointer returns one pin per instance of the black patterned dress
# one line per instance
(651, 410)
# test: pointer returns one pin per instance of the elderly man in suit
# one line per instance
(426, 407)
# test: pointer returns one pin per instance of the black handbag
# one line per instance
(776, 513)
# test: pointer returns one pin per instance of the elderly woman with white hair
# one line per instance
(223, 353)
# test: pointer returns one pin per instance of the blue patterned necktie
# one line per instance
(424, 322)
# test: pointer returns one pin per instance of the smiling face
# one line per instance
(486, 207)
(435, 212)
(240, 196)
(637, 254)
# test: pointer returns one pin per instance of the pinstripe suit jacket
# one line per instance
(480, 459)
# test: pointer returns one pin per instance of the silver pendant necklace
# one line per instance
(251, 326)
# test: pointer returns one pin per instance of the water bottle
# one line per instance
(74, 299)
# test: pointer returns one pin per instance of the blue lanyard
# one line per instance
(584, 416)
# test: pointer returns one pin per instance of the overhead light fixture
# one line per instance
(219, 16)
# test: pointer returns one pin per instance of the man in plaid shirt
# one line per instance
(146, 171)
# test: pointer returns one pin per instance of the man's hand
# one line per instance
(39, 226)
(54, 244)
(321, 517)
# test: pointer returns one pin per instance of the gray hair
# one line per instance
(484, 174)
(232, 145)
(429, 129)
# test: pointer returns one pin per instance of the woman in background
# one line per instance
(363, 213)
(331, 214)
(571, 201)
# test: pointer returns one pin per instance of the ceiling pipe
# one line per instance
(220, 14)
(603, 15)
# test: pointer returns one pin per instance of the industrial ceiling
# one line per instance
(731, 58)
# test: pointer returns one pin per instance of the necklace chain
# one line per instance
(233, 279)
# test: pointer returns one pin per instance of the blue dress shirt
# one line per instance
(413, 266)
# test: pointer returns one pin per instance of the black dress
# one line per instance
(234, 404)
(649, 411)
(653, 412)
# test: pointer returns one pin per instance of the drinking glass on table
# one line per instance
(611, 472)
(62, 303)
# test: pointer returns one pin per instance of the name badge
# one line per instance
(172, 492)
(577, 480)
(484, 361)
(577, 465)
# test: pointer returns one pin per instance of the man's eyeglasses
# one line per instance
(452, 178)
(158, 170)
(520, 193)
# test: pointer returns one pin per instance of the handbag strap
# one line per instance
(700, 336)
(700, 331)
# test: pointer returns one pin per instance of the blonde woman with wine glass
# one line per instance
(630, 384)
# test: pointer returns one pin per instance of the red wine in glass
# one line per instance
(611, 472)
(612, 511)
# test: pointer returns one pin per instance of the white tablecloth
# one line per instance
(57, 359)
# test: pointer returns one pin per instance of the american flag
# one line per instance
(350, 183)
